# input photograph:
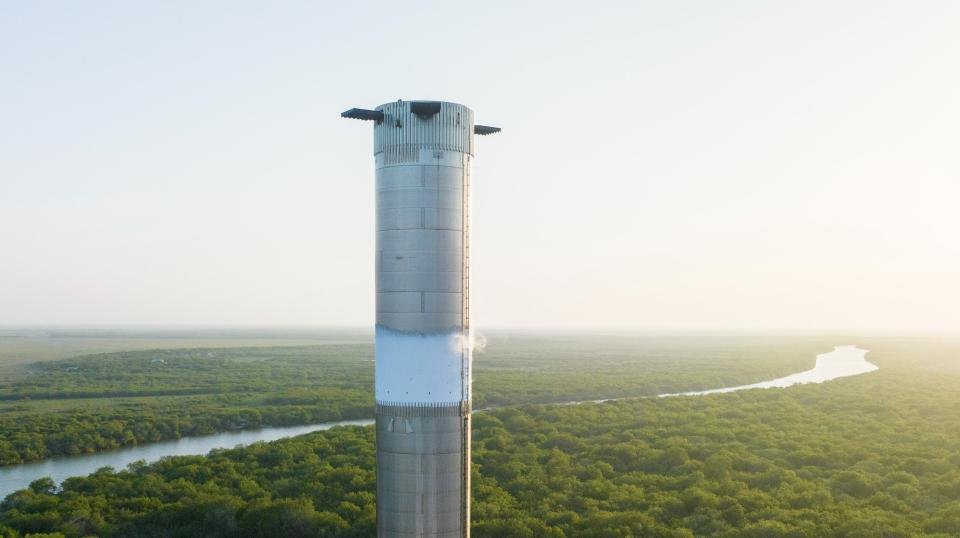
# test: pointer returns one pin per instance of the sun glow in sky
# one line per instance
(662, 164)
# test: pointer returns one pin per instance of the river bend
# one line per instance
(843, 361)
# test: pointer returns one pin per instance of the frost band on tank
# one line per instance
(421, 368)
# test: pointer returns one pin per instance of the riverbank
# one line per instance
(843, 361)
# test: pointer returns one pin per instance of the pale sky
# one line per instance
(752, 165)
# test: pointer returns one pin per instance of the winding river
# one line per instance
(843, 361)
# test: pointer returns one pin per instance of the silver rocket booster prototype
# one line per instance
(423, 152)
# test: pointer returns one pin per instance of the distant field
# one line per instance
(21, 346)
(107, 400)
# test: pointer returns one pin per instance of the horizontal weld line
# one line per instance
(442, 185)
(418, 272)
(417, 291)
(423, 409)
(421, 228)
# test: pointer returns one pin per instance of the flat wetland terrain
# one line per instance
(23, 346)
(870, 455)
(52, 406)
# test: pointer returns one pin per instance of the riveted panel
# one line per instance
(396, 302)
(393, 461)
(443, 302)
(426, 261)
(429, 218)
(451, 198)
(448, 241)
(400, 177)
(400, 218)
(420, 323)
(424, 281)
(443, 218)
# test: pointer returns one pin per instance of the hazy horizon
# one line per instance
(697, 166)
(622, 330)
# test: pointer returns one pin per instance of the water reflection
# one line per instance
(16, 477)
(843, 361)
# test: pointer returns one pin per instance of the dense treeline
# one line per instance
(876, 455)
(263, 490)
(106, 401)
(91, 403)
(34, 437)
(193, 371)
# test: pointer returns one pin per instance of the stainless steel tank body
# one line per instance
(423, 152)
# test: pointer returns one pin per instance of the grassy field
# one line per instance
(20, 346)
(108, 400)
